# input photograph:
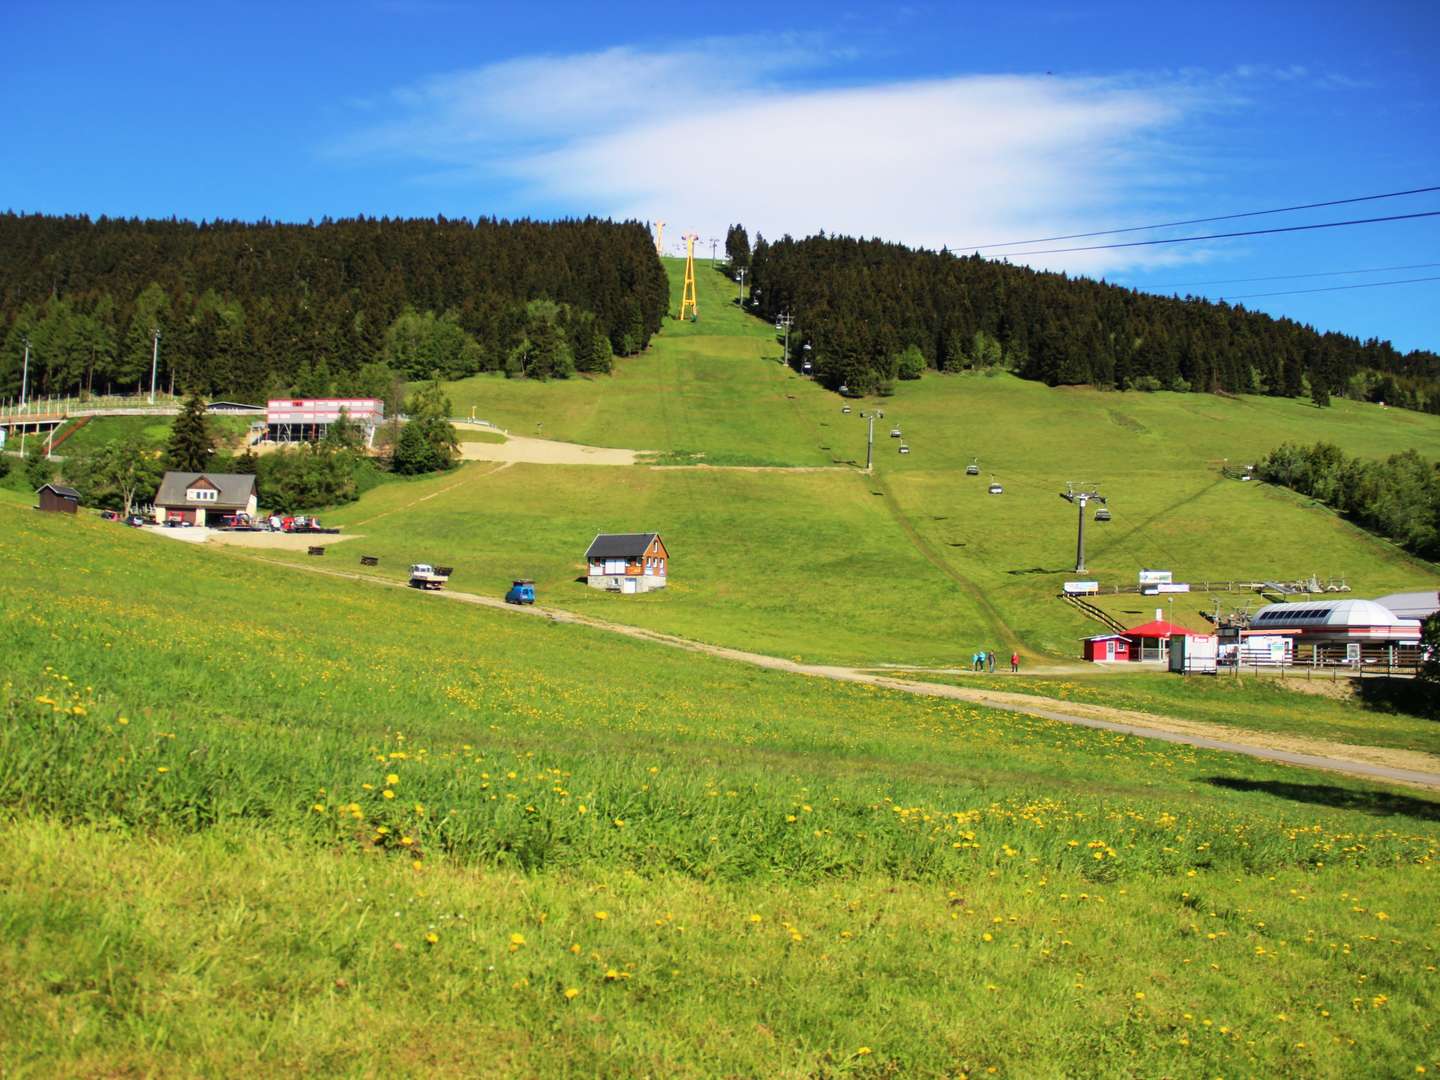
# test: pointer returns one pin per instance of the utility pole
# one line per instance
(154, 359)
(713, 242)
(25, 376)
(870, 418)
(784, 322)
(740, 276)
(1080, 497)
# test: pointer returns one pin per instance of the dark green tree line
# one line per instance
(248, 309)
(1398, 498)
(861, 304)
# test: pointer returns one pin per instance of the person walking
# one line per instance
(1014, 662)
(990, 660)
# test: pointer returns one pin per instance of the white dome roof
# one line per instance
(1329, 613)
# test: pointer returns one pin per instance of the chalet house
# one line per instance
(58, 499)
(627, 562)
(189, 497)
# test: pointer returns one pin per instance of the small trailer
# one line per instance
(522, 591)
(425, 576)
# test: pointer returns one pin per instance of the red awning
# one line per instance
(1159, 628)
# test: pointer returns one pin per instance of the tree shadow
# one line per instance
(1412, 697)
(1366, 802)
(1039, 570)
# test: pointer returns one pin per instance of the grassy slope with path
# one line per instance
(766, 563)
(174, 901)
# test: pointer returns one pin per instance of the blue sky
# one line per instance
(932, 124)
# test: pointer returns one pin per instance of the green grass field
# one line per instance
(264, 822)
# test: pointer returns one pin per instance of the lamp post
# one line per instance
(25, 375)
(154, 359)
(740, 277)
(1080, 497)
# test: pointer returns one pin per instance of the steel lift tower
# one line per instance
(687, 298)
(659, 238)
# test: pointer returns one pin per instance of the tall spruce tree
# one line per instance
(191, 441)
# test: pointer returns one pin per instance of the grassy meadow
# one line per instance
(263, 822)
(861, 557)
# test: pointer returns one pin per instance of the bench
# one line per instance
(369, 560)
(316, 550)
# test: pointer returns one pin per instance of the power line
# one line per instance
(1334, 288)
(1287, 277)
(1197, 221)
(1225, 236)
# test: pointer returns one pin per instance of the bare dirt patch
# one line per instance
(522, 449)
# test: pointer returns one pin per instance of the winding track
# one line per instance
(1355, 761)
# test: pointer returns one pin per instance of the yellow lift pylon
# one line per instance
(687, 298)
(659, 238)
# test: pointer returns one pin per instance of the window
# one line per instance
(202, 494)
(614, 566)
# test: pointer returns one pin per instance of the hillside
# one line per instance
(592, 841)
(916, 565)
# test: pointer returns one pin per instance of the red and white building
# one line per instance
(289, 420)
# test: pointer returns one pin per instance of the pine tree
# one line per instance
(191, 441)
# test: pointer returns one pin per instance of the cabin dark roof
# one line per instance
(63, 492)
(619, 545)
(234, 489)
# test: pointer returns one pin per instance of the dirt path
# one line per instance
(1373, 763)
(531, 451)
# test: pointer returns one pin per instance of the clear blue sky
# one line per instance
(933, 124)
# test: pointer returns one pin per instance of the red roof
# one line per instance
(1158, 628)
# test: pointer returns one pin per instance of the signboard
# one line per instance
(1172, 587)
(1155, 577)
(1075, 587)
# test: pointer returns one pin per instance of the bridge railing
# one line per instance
(44, 409)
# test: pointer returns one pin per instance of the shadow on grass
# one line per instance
(1409, 696)
(1368, 802)
(1038, 570)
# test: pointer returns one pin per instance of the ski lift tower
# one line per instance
(659, 238)
(687, 298)
(1080, 494)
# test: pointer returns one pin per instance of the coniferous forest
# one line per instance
(866, 308)
(345, 306)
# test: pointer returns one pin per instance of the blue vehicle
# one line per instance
(521, 592)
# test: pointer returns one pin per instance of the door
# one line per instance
(1109, 650)
(627, 585)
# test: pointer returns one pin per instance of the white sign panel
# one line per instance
(1155, 577)
(1074, 587)
(1171, 587)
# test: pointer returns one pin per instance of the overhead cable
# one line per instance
(1225, 236)
(1287, 277)
(1332, 288)
(1197, 221)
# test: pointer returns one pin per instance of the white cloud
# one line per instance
(712, 134)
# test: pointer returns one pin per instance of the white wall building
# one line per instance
(290, 420)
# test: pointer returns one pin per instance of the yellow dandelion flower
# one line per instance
(575, 948)
(619, 823)
(571, 993)
(392, 779)
(756, 918)
(389, 794)
(432, 937)
(602, 915)
(517, 939)
(863, 1051)
(987, 936)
